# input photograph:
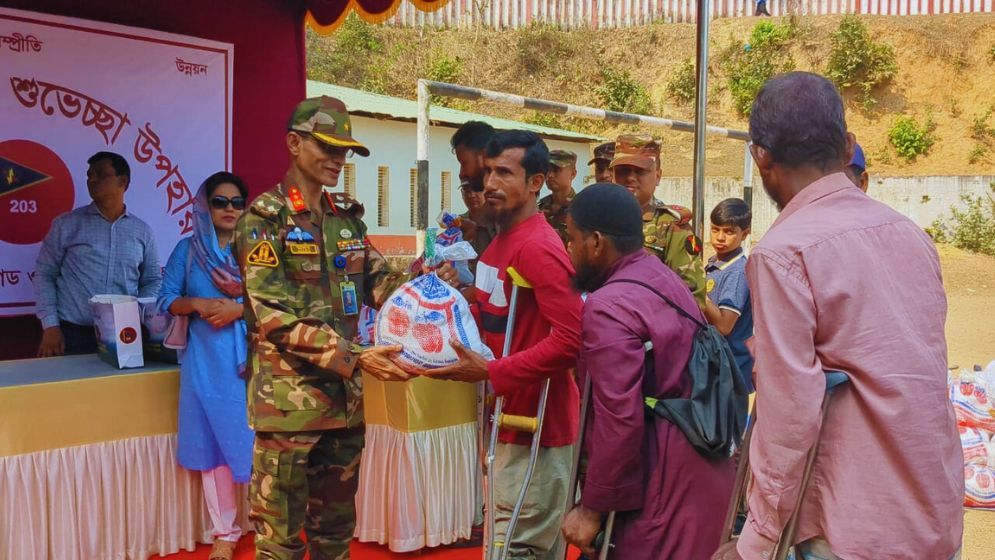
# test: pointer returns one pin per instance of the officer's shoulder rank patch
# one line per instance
(692, 245)
(681, 215)
(265, 205)
(263, 255)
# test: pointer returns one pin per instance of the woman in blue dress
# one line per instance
(202, 281)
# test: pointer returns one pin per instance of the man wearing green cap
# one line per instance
(603, 155)
(666, 228)
(562, 171)
(308, 266)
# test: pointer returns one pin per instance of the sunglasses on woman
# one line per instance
(222, 202)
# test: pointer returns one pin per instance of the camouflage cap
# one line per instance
(327, 119)
(605, 152)
(640, 150)
(562, 158)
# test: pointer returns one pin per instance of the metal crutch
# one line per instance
(498, 549)
(834, 379)
(603, 540)
(737, 504)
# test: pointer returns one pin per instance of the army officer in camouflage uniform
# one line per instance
(603, 155)
(308, 267)
(667, 228)
(562, 171)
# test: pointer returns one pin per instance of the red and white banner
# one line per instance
(70, 88)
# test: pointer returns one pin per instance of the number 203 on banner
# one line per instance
(23, 206)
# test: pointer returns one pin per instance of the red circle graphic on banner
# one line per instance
(35, 187)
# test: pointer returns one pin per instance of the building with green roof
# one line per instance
(385, 181)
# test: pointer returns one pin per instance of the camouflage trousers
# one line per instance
(305, 480)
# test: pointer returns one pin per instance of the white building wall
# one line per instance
(922, 199)
(392, 143)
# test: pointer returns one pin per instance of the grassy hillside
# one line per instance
(944, 78)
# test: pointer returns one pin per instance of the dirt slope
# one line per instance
(945, 65)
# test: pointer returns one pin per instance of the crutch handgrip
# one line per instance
(519, 423)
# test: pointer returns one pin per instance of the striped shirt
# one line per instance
(84, 254)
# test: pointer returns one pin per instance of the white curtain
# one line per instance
(418, 489)
(118, 500)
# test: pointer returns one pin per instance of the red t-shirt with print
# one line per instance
(546, 338)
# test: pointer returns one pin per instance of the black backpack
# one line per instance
(714, 417)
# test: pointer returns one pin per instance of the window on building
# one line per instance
(383, 196)
(447, 201)
(413, 174)
(349, 179)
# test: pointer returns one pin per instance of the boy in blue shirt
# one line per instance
(727, 303)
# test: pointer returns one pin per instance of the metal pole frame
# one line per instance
(700, 107)
(427, 88)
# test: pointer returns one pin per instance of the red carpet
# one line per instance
(360, 551)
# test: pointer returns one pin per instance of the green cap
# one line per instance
(327, 119)
(562, 158)
(640, 150)
(603, 152)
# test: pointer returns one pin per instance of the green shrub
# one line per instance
(983, 135)
(991, 54)
(764, 57)
(682, 87)
(621, 92)
(980, 129)
(544, 119)
(350, 56)
(978, 154)
(909, 138)
(540, 45)
(358, 36)
(769, 34)
(375, 81)
(971, 228)
(444, 69)
(857, 63)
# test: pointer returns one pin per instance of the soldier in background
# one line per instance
(468, 143)
(666, 228)
(562, 171)
(308, 265)
(603, 155)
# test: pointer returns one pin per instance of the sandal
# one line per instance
(222, 550)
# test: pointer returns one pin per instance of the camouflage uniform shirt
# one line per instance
(557, 216)
(668, 235)
(302, 358)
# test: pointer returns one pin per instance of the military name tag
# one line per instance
(350, 304)
(263, 255)
(303, 248)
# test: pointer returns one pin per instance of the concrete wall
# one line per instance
(923, 199)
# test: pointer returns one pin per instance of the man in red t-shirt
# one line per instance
(544, 346)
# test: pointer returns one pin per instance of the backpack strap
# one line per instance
(680, 310)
